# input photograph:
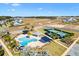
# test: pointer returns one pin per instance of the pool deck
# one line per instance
(30, 44)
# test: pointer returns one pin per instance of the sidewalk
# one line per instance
(70, 47)
(7, 50)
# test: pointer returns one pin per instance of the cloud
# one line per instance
(12, 4)
(11, 10)
(40, 8)
(50, 12)
(15, 4)
(8, 9)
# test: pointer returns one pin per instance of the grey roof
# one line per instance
(69, 19)
(2, 21)
(36, 33)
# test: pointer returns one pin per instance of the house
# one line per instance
(17, 21)
(37, 34)
(2, 22)
(69, 19)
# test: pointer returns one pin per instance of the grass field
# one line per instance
(41, 30)
(78, 42)
(54, 49)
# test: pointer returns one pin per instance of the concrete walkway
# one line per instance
(70, 47)
(7, 50)
(60, 44)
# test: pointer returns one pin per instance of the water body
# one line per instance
(26, 40)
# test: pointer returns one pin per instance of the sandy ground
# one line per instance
(72, 27)
(16, 28)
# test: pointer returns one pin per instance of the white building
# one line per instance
(69, 19)
(17, 21)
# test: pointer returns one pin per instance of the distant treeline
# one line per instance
(5, 17)
(43, 17)
(39, 17)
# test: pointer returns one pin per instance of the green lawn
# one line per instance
(78, 42)
(41, 30)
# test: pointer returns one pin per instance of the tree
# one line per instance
(54, 36)
(1, 25)
(1, 51)
(2, 18)
(5, 17)
(32, 27)
(68, 40)
(12, 44)
(7, 38)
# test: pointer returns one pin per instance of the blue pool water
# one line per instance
(25, 40)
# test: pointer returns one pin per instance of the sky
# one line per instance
(39, 9)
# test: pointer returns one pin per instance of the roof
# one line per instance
(69, 19)
(57, 32)
(37, 33)
(45, 39)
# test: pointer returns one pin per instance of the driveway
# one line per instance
(74, 51)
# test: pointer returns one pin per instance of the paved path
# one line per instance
(60, 44)
(70, 47)
(7, 50)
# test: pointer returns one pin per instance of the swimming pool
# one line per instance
(26, 40)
